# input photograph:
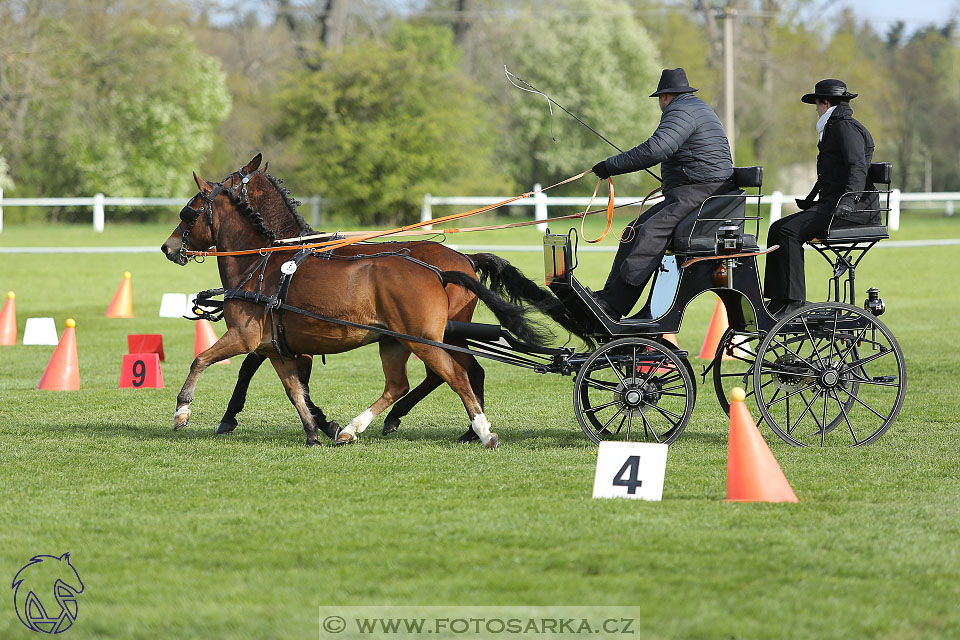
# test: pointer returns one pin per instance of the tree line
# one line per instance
(372, 104)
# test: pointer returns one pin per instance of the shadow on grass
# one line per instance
(550, 437)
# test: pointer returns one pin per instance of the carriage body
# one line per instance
(824, 366)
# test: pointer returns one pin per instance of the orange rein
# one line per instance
(336, 244)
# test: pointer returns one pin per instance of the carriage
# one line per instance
(827, 372)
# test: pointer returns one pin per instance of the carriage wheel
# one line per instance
(742, 348)
(633, 389)
(829, 369)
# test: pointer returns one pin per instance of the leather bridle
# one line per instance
(190, 215)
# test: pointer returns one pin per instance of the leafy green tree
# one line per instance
(924, 115)
(598, 61)
(380, 124)
(118, 104)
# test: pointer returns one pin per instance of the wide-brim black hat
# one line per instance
(829, 88)
(673, 81)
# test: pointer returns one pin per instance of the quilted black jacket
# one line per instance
(690, 144)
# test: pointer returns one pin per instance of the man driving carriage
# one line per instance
(693, 151)
(845, 152)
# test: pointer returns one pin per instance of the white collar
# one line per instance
(822, 122)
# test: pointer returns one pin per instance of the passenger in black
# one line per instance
(845, 152)
(693, 151)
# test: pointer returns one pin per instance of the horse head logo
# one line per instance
(45, 593)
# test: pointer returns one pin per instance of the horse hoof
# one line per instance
(226, 427)
(468, 436)
(345, 438)
(332, 429)
(313, 443)
(389, 426)
(181, 419)
(493, 441)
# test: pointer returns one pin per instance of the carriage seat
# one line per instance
(878, 173)
(696, 234)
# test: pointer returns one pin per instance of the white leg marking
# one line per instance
(481, 426)
(358, 424)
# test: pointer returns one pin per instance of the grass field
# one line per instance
(192, 535)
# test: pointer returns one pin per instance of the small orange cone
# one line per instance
(203, 338)
(718, 324)
(63, 370)
(672, 339)
(753, 474)
(8, 321)
(122, 304)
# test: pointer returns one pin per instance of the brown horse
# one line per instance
(279, 211)
(370, 292)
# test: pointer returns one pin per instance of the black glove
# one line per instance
(600, 169)
(805, 204)
(846, 207)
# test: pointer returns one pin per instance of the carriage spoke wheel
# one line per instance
(633, 389)
(829, 372)
(740, 349)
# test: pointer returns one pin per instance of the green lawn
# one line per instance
(192, 535)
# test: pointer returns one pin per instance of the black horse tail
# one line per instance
(508, 282)
(511, 316)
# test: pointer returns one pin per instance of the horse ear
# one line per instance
(205, 187)
(253, 164)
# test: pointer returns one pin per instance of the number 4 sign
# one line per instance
(630, 470)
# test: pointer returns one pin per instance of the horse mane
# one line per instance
(244, 208)
(291, 203)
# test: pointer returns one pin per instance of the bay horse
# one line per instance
(370, 292)
(279, 211)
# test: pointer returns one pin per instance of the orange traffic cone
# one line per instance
(672, 339)
(63, 370)
(122, 304)
(203, 338)
(718, 324)
(8, 321)
(753, 474)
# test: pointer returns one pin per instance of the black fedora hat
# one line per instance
(673, 81)
(829, 88)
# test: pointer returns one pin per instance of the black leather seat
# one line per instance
(708, 220)
(840, 233)
(697, 233)
(856, 233)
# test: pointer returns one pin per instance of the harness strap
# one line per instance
(271, 302)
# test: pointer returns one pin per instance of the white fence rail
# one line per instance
(99, 201)
(540, 202)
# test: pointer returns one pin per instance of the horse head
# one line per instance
(198, 228)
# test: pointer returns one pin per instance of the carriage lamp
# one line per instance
(874, 303)
(729, 239)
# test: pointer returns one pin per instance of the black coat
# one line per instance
(845, 154)
(689, 143)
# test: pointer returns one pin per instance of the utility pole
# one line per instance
(728, 76)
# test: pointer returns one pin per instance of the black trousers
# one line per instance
(646, 241)
(784, 277)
